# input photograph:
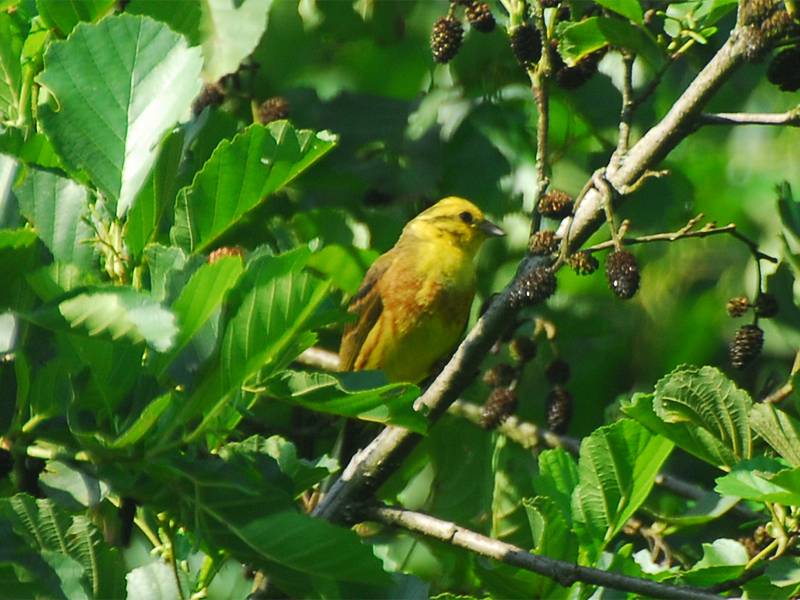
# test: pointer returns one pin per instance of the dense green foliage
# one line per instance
(156, 428)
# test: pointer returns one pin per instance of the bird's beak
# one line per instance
(490, 229)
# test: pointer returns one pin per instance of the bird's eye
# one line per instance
(467, 217)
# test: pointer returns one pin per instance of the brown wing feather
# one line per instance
(367, 306)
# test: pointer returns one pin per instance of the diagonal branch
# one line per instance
(564, 573)
(790, 118)
(372, 466)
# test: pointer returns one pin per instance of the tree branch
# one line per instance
(564, 573)
(790, 118)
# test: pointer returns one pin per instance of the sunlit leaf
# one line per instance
(240, 174)
(114, 107)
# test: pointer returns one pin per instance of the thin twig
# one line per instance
(787, 388)
(319, 358)
(686, 232)
(540, 83)
(790, 118)
(626, 111)
(563, 572)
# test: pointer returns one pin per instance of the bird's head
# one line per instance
(453, 220)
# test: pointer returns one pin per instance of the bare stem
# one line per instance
(563, 572)
(626, 112)
(790, 118)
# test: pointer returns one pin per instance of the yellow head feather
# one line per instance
(452, 220)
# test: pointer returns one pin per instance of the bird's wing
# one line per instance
(367, 306)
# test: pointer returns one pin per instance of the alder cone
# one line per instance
(273, 109)
(446, 39)
(502, 402)
(738, 306)
(526, 43)
(559, 409)
(622, 274)
(555, 205)
(480, 16)
(543, 242)
(784, 70)
(766, 306)
(538, 286)
(583, 263)
(746, 345)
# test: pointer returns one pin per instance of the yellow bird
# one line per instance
(414, 302)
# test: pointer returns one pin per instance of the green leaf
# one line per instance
(702, 411)
(577, 40)
(778, 429)
(153, 581)
(271, 312)
(627, 8)
(199, 300)
(116, 313)
(12, 35)
(53, 531)
(344, 265)
(512, 466)
(64, 16)
(35, 149)
(552, 536)
(303, 473)
(71, 487)
(228, 30)
(617, 468)
(144, 422)
(114, 107)
(56, 207)
(557, 479)
(156, 196)
(708, 507)
(706, 399)
(364, 395)
(756, 479)
(722, 560)
(240, 174)
(239, 502)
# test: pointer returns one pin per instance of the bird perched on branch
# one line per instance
(414, 302)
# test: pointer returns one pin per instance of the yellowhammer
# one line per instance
(413, 304)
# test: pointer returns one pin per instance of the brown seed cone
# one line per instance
(210, 95)
(555, 205)
(543, 242)
(273, 109)
(526, 43)
(538, 286)
(746, 345)
(622, 274)
(738, 306)
(583, 263)
(550, 3)
(446, 39)
(225, 251)
(522, 349)
(557, 372)
(502, 402)
(570, 78)
(499, 375)
(766, 306)
(558, 409)
(784, 70)
(480, 16)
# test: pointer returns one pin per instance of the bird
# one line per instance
(413, 303)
